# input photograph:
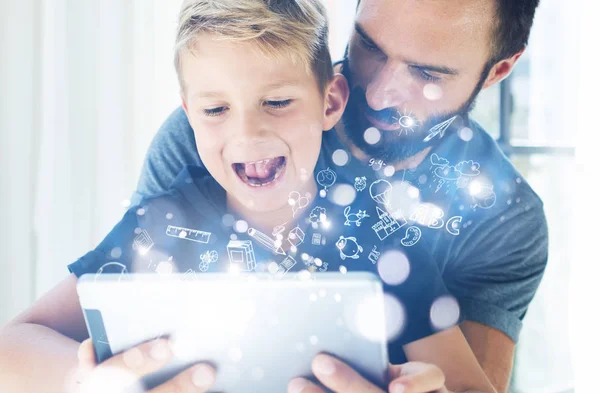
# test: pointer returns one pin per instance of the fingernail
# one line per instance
(397, 388)
(324, 365)
(203, 377)
(297, 385)
(160, 351)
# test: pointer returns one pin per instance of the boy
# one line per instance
(258, 88)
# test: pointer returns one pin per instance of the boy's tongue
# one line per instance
(261, 169)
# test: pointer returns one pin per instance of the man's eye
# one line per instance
(368, 45)
(215, 111)
(424, 75)
(278, 104)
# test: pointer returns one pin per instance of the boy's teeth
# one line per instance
(258, 169)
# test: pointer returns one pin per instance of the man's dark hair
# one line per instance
(513, 25)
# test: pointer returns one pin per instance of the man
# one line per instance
(415, 68)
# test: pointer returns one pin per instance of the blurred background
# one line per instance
(84, 85)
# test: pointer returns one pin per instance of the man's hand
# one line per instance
(412, 377)
(122, 372)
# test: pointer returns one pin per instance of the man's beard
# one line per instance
(408, 140)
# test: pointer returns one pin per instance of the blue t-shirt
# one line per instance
(188, 229)
(490, 244)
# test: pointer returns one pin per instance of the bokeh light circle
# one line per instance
(445, 312)
(393, 267)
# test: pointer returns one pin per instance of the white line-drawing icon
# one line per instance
(285, 266)
(452, 225)
(407, 122)
(266, 241)
(360, 183)
(381, 191)
(296, 237)
(439, 129)
(349, 247)
(241, 255)
(318, 214)
(298, 202)
(112, 267)
(374, 255)
(355, 218)
(143, 242)
(279, 229)
(412, 237)
(206, 259)
(189, 275)
(188, 234)
(317, 238)
(386, 224)
(459, 175)
(376, 164)
(483, 195)
(326, 178)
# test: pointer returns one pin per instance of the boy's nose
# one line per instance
(251, 126)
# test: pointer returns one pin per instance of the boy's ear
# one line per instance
(184, 104)
(336, 97)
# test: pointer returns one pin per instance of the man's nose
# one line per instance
(389, 88)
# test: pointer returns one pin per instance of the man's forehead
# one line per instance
(434, 25)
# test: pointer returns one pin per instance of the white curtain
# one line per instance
(84, 86)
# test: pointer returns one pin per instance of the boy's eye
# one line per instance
(215, 111)
(424, 75)
(278, 104)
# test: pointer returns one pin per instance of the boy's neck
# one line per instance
(266, 221)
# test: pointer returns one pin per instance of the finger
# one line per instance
(339, 377)
(143, 359)
(196, 379)
(417, 377)
(85, 354)
(301, 385)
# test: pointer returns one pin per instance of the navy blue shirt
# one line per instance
(188, 229)
(491, 255)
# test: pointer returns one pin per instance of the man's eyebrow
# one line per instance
(434, 68)
(428, 67)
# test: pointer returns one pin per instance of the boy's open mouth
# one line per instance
(260, 173)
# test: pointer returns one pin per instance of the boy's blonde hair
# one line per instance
(295, 29)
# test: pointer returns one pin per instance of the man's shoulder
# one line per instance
(476, 154)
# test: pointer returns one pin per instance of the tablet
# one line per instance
(258, 331)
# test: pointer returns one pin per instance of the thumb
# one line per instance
(85, 354)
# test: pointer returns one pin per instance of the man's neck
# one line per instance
(408, 163)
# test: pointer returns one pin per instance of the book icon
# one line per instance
(241, 255)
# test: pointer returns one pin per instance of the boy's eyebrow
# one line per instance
(271, 86)
(429, 67)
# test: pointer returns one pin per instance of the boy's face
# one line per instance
(257, 120)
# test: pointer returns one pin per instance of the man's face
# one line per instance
(257, 121)
(413, 64)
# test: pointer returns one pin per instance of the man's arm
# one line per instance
(172, 148)
(494, 351)
(494, 278)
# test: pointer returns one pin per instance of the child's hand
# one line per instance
(122, 372)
